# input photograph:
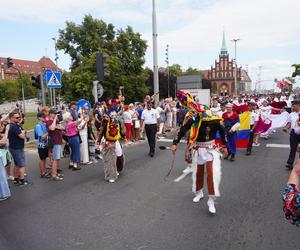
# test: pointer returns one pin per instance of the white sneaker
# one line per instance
(118, 173)
(11, 178)
(211, 206)
(187, 170)
(111, 181)
(198, 196)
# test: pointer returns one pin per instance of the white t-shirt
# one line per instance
(216, 111)
(127, 117)
(253, 118)
(150, 116)
(293, 118)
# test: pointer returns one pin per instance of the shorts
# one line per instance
(5, 156)
(18, 156)
(43, 153)
(56, 152)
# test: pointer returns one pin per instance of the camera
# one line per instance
(59, 116)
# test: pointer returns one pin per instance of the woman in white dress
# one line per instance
(83, 132)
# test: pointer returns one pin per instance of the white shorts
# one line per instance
(118, 149)
(202, 155)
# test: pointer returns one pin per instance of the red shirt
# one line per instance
(55, 135)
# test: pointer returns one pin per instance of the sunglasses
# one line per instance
(18, 117)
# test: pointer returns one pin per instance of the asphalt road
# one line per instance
(142, 211)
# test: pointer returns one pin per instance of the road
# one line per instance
(142, 211)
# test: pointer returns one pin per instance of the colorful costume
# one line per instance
(231, 124)
(110, 133)
(291, 204)
(203, 130)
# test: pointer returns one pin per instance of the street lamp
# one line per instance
(235, 67)
(168, 71)
(56, 63)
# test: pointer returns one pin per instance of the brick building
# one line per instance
(221, 75)
(25, 66)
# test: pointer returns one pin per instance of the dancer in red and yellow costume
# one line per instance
(203, 130)
(110, 134)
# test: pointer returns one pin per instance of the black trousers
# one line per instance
(294, 141)
(249, 147)
(151, 135)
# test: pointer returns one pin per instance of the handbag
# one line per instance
(137, 124)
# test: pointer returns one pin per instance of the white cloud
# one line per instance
(270, 69)
(191, 27)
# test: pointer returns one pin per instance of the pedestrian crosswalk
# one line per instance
(269, 145)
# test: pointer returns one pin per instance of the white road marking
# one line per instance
(277, 145)
(181, 177)
(168, 140)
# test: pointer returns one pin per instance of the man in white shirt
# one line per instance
(151, 119)
(293, 124)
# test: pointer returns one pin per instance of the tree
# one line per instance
(297, 70)
(125, 49)
(11, 90)
(192, 71)
(175, 70)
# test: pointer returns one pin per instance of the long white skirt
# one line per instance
(84, 146)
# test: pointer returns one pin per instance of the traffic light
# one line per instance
(9, 62)
(36, 81)
(100, 66)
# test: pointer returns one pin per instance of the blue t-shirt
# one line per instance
(15, 142)
(73, 114)
(40, 130)
(139, 111)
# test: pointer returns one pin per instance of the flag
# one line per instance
(243, 134)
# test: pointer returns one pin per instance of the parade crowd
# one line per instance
(88, 134)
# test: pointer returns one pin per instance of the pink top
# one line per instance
(71, 129)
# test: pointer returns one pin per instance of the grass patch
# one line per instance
(30, 114)
(30, 145)
(30, 122)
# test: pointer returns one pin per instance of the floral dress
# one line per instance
(291, 204)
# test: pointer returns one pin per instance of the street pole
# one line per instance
(43, 89)
(155, 63)
(168, 70)
(235, 67)
(56, 63)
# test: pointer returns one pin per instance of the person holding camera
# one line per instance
(16, 138)
(54, 142)
(293, 124)
(41, 136)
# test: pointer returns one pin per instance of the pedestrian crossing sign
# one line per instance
(53, 79)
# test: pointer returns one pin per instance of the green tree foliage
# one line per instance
(192, 71)
(11, 90)
(126, 51)
(175, 70)
(297, 70)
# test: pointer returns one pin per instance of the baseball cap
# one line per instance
(41, 115)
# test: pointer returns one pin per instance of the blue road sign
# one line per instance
(53, 79)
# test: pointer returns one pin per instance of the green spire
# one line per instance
(224, 48)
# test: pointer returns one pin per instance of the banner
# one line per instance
(243, 134)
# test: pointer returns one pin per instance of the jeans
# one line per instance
(75, 148)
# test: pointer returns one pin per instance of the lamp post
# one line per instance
(56, 63)
(155, 63)
(168, 70)
(235, 67)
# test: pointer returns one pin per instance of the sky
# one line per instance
(268, 30)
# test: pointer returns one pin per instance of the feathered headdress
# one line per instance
(186, 99)
(113, 105)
